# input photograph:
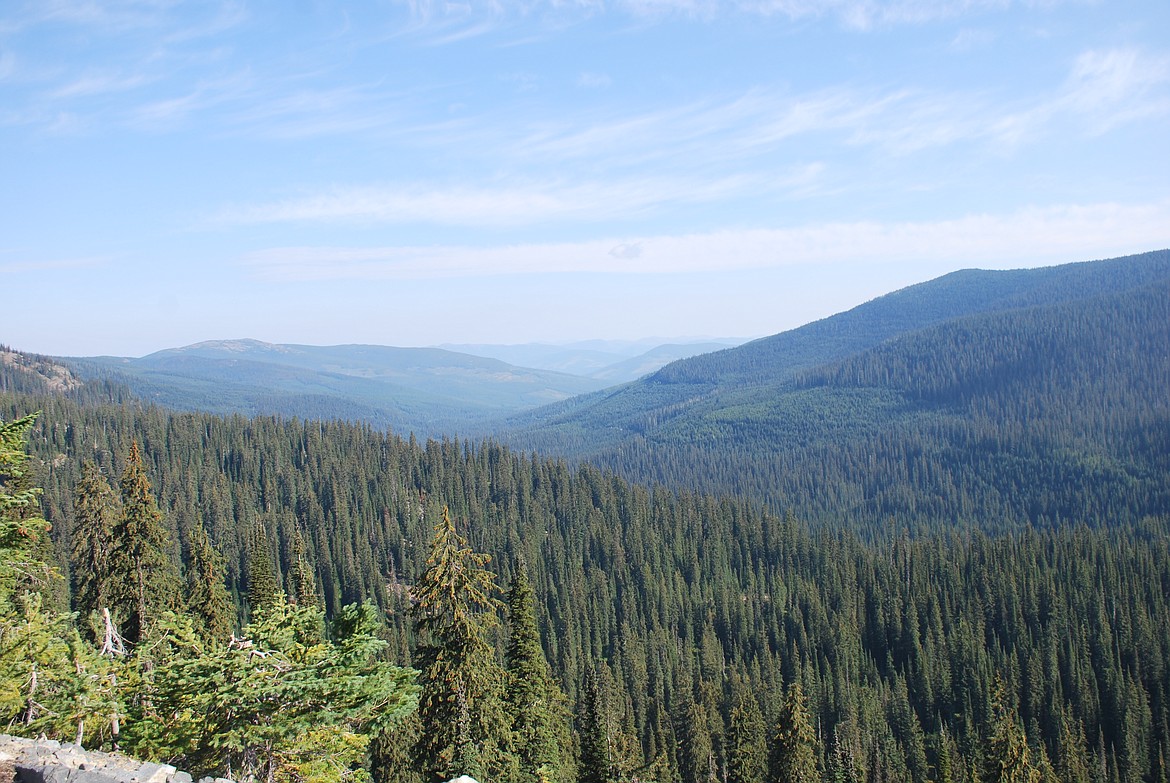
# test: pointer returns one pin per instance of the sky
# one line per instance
(420, 172)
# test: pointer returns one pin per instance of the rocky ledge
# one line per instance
(49, 761)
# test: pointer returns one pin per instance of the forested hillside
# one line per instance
(986, 398)
(425, 390)
(698, 635)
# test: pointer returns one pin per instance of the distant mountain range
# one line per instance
(428, 391)
(990, 397)
(945, 395)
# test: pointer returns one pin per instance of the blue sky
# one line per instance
(414, 173)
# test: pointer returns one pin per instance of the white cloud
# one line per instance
(1117, 86)
(1027, 237)
(507, 205)
(859, 15)
(1104, 90)
(52, 264)
(100, 83)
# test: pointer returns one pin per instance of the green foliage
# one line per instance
(144, 581)
(747, 753)
(50, 681)
(536, 706)
(263, 589)
(279, 703)
(21, 528)
(208, 601)
(895, 638)
(596, 729)
(463, 727)
(794, 755)
(96, 511)
(1006, 757)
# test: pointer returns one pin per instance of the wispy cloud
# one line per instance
(1027, 237)
(854, 14)
(100, 83)
(52, 264)
(1104, 90)
(170, 112)
(506, 205)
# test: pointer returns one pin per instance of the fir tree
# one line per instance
(535, 703)
(596, 731)
(463, 729)
(96, 510)
(207, 596)
(392, 752)
(143, 578)
(50, 681)
(304, 584)
(747, 752)
(793, 757)
(1006, 756)
(263, 589)
(279, 703)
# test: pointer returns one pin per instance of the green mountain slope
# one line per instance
(989, 397)
(681, 602)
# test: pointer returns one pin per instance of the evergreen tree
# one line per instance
(21, 528)
(207, 596)
(596, 731)
(96, 510)
(747, 753)
(1006, 755)
(536, 705)
(143, 578)
(392, 752)
(463, 728)
(304, 584)
(696, 755)
(794, 756)
(1072, 756)
(263, 589)
(280, 703)
(50, 681)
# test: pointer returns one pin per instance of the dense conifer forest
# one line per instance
(685, 636)
(992, 399)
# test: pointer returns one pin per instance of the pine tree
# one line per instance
(696, 755)
(463, 728)
(535, 703)
(96, 510)
(794, 756)
(207, 596)
(143, 578)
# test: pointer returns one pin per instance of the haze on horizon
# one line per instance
(421, 173)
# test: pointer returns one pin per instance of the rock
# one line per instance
(48, 761)
(7, 767)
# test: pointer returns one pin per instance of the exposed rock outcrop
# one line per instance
(49, 761)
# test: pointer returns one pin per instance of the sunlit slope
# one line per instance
(1026, 396)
